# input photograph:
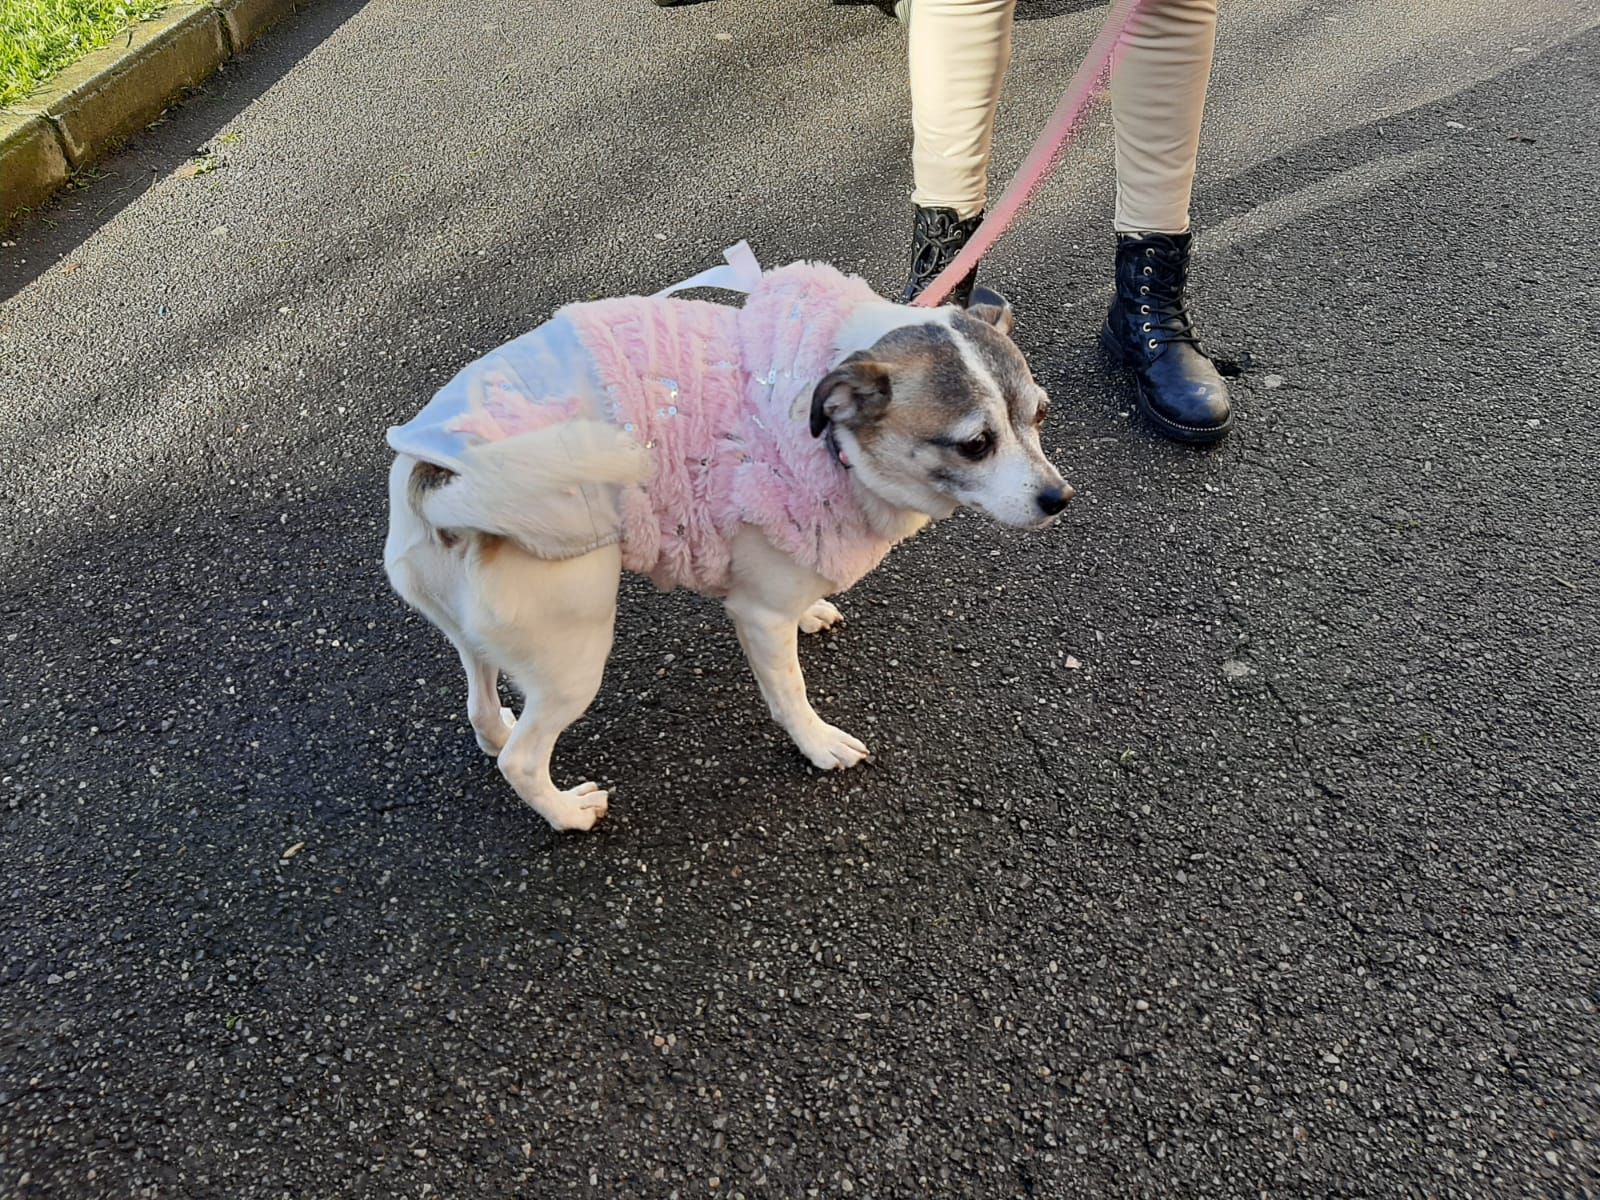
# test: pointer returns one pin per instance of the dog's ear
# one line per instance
(856, 390)
(991, 308)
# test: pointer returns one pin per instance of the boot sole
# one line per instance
(1193, 435)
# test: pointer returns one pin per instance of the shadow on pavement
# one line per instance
(101, 191)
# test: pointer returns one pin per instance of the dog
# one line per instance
(768, 455)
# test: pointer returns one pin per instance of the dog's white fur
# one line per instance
(497, 477)
(549, 624)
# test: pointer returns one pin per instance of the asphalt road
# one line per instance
(1290, 887)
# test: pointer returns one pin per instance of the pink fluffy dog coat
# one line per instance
(721, 399)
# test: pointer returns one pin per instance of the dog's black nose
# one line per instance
(1053, 500)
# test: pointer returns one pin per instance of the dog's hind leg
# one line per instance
(491, 721)
(550, 625)
(428, 570)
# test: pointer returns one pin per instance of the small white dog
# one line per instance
(769, 455)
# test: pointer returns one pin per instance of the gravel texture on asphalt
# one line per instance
(1237, 837)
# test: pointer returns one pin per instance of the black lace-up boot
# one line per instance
(937, 236)
(1149, 332)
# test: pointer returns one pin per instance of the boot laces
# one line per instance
(1162, 304)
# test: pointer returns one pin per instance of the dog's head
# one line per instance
(939, 414)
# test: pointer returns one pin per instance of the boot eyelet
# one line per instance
(1149, 251)
(1145, 328)
(1144, 291)
(1152, 343)
(1144, 310)
(1149, 270)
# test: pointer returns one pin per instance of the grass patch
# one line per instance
(40, 37)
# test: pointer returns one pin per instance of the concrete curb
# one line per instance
(32, 163)
(97, 103)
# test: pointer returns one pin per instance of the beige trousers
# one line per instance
(959, 50)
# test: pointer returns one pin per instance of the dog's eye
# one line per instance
(976, 448)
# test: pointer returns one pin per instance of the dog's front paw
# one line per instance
(574, 810)
(832, 749)
(820, 616)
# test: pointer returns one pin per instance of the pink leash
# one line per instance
(1045, 155)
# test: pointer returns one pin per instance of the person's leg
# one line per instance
(1158, 96)
(1158, 93)
(958, 52)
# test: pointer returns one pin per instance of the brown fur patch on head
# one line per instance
(930, 383)
(1005, 363)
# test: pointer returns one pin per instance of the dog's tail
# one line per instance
(525, 485)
